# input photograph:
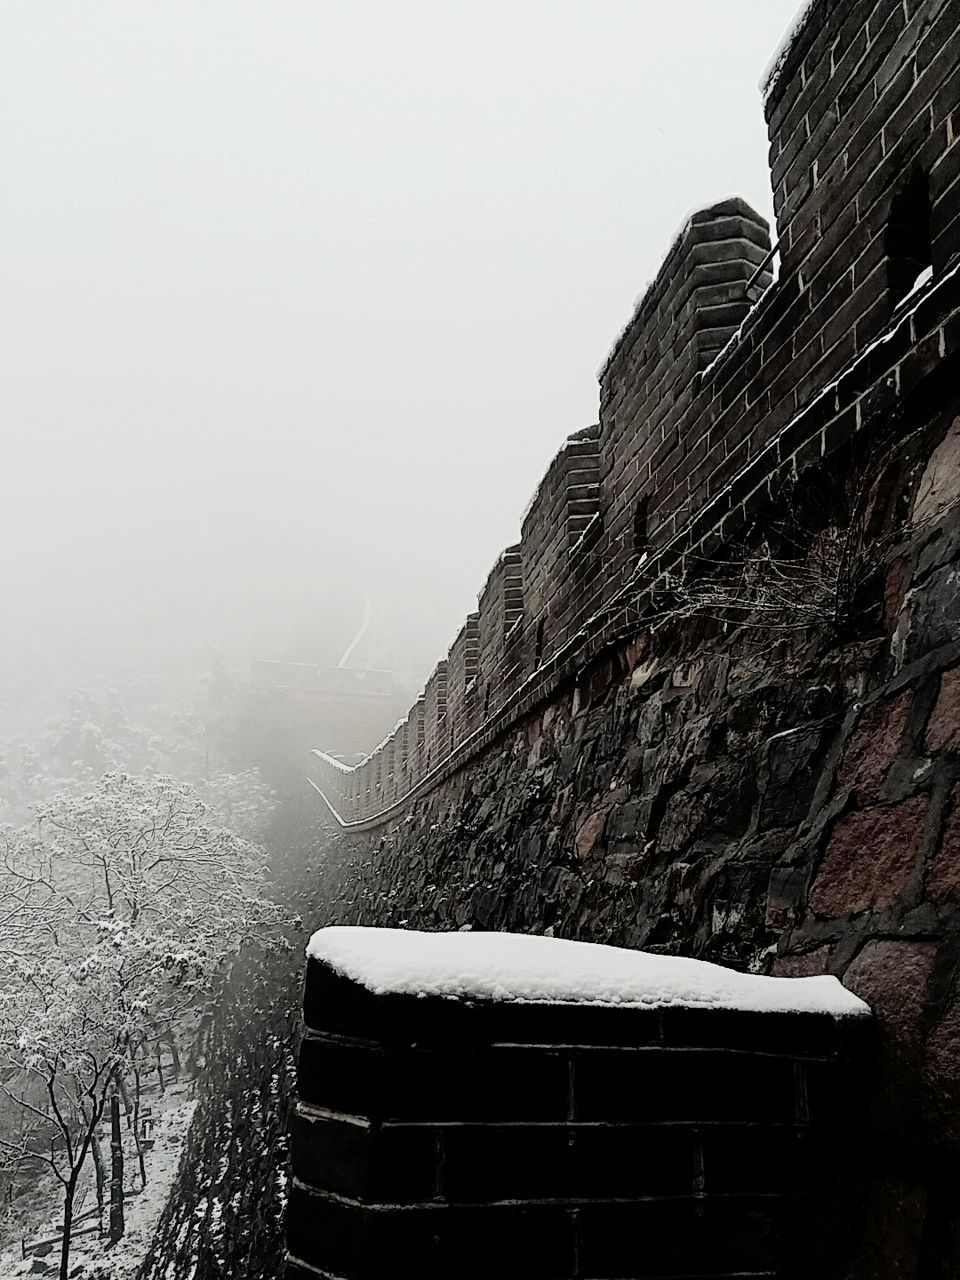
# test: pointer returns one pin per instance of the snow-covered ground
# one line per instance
(88, 1260)
(517, 967)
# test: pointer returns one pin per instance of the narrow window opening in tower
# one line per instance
(538, 647)
(640, 525)
(908, 242)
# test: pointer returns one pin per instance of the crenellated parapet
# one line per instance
(724, 380)
(651, 443)
(500, 629)
(413, 729)
(436, 734)
(462, 692)
(561, 524)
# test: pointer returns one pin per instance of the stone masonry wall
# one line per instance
(731, 725)
(782, 800)
(706, 399)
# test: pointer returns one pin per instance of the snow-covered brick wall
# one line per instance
(534, 969)
(477, 1105)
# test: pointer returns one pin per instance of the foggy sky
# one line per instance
(299, 298)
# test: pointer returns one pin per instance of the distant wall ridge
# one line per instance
(723, 380)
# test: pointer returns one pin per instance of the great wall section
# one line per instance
(709, 703)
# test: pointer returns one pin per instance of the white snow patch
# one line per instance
(922, 280)
(88, 1258)
(536, 969)
(792, 34)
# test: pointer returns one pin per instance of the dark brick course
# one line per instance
(636, 1144)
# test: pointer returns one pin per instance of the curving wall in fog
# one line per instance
(722, 381)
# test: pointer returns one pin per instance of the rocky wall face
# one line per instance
(782, 801)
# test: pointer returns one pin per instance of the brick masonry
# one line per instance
(706, 399)
(439, 1138)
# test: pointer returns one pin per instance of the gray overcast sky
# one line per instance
(298, 298)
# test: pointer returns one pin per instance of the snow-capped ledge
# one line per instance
(530, 969)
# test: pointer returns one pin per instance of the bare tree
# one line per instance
(116, 913)
(61, 1043)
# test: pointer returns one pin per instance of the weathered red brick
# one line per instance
(873, 747)
(869, 858)
(943, 729)
(943, 879)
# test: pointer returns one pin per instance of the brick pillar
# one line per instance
(416, 737)
(690, 311)
(560, 527)
(439, 1138)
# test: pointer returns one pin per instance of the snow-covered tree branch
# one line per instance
(117, 910)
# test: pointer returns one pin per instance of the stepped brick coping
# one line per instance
(517, 968)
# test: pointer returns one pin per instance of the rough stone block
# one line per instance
(943, 729)
(794, 761)
(807, 965)
(895, 1215)
(941, 1081)
(943, 877)
(931, 614)
(589, 834)
(873, 747)
(869, 859)
(894, 978)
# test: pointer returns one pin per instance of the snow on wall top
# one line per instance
(517, 967)
(771, 75)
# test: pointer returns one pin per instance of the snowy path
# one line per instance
(88, 1261)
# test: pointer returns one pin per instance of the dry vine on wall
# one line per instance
(816, 559)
